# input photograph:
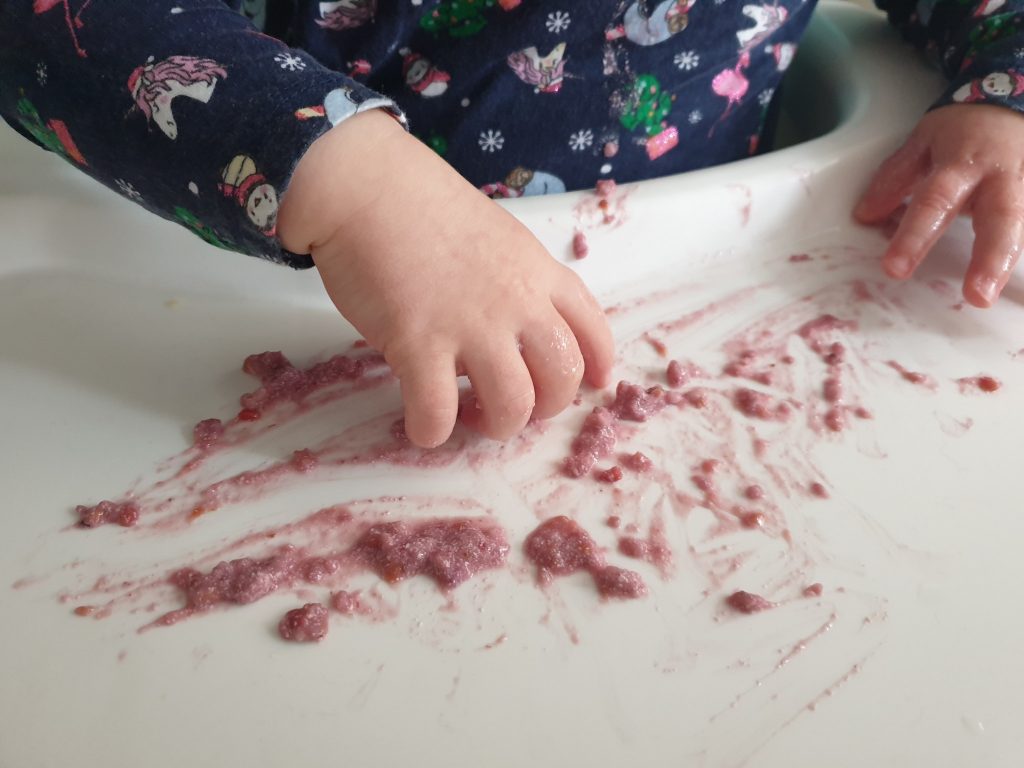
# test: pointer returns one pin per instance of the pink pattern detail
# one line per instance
(346, 14)
(731, 84)
(73, 22)
(151, 80)
(662, 143)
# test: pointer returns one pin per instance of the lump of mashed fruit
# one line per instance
(307, 624)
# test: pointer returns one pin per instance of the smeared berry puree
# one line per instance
(560, 547)
(446, 551)
(921, 379)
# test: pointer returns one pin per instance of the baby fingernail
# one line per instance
(898, 266)
(988, 287)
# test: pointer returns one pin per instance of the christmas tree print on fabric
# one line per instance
(644, 106)
(462, 18)
(53, 134)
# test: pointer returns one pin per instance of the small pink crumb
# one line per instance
(703, 483)
(638, 462)
(346, 603)
(862, 413)
(360, 344)
(797, 258)
(619, 583)
(678, 374)
(595, 440)
(814, 590)
(747, 602)
(752, 520)
(85, 610)
(605, 187)
(754, 492)
(613, 522)
(674, 374)
(912, 376)
(819, 490)
(610, 475)
(833, 389)
(580, 246)
(304, 461)
(697, 397)
(307, 624)
(788, 359)
(835, 419)
(124, 513)
(984, 383)
(249, 414)
(206, 433)
(611, 149)
(710, 466)
(758, 405)
(634, 403)
(657, 345)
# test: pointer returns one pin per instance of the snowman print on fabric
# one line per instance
(522, 182)
(242, 181)
(341, 104)
(256, 12)
(421, 76)
(155, 85)
(545, 73)
(995, 85)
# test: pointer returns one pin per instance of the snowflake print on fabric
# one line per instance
(695, 117)
(128, 190)
(1019, 53)
(581, 140)
(290, 61)
(491, 141)
(558, 21)
(687, 60)
(764, 97)
(41, 73)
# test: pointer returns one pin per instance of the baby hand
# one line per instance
(443, 282)
(960, 159)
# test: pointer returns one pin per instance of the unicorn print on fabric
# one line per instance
(767, 19)
(545, 73)
(346, 14)
(154, 86)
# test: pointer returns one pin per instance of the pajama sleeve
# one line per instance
(179, 105)
(978, 43)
